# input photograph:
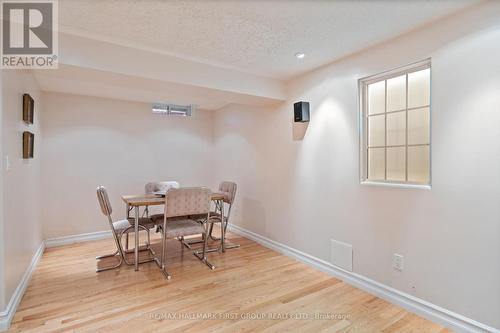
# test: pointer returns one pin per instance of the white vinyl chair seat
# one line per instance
(184, 227)
(121, 225)
(124, 224)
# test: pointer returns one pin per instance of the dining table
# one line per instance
(136, 201)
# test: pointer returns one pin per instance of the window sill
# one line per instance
(396, 185)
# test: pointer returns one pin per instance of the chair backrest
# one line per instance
(229, 190)
(160, 186)
(102, 197)
(187, 201)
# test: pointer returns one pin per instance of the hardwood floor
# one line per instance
(252, 289)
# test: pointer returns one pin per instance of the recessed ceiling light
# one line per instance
(300, 55)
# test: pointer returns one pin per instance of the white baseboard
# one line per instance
(7, 315)
(414, 304)
(59, 241)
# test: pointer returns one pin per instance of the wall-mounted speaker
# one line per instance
(301, 112)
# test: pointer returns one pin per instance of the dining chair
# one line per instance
(228, 189)
(120, 228)
(160, 186)
(180, 204)
(153, 187)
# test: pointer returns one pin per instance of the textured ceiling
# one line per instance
(259, 37)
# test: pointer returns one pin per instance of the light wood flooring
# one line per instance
(252, 289)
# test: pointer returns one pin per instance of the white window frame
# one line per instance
(363, 124)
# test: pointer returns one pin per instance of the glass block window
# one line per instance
(395, 131)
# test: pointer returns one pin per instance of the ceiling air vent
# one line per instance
(173, 109)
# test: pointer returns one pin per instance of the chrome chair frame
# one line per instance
(221, 218)
(102, 197)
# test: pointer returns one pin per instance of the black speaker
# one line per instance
(301, 112)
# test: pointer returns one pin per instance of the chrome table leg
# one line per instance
(136, 234)
(164, 250)
(127, 215)
(222, 229)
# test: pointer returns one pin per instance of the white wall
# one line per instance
(21, 184)
(2, 244)
(305, 192)
(121, 145)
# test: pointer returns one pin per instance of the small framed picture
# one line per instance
(28, 109)
(28, 144)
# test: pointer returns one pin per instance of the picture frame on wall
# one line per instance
(28, 109)
(28, 144)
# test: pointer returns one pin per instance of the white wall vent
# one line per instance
(341, 254)
(166, 109)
